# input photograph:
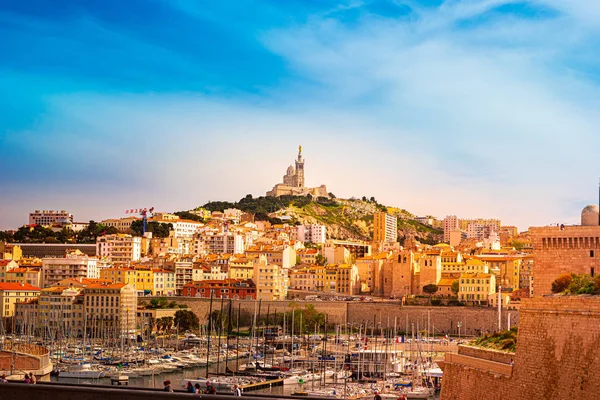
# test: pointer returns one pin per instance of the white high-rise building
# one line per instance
(314, 233)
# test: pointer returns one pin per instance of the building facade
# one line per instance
(121, 248)
(12, 293)
(226, 288)
(50, 217)
(314, 233)
(385, 228)
(111, 308)
(72, 266)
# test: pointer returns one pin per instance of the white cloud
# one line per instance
(486, 121)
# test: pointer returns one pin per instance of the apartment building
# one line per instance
(475, 288)
(385, 228)
(451, 224)
(61, 307)
(12, 293)
(314, 233)
(50, 217)
(111, 308)
(164, 283)
(225, 288)
(271, 281)
(72, 266)
(124, 275)
(220, 243)
(120, 248)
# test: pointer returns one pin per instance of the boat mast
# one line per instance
(227, 340)
(219, 333)
(292, 360)
(237, 340)
(209, 330)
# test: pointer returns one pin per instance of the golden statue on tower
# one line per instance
(300, 149)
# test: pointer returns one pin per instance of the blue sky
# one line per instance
(475, 108)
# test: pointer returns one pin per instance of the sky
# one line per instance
(475, 108)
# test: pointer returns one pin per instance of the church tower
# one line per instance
(300, 169)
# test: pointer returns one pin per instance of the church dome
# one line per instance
(590, 215)
(290, 171)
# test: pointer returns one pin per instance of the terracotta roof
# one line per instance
(18, 286)
(107, 286)
(446, 281)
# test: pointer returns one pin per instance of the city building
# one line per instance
(110, 308)
(124, 275)
(61, 308)
(5, 266)
(144, 281)
(293, 182)
(10, 251)
(302, 277)
(120, 248)
(226, 288)
(32, 276)
(451, 223)
(314, 233)
(241, 268)
(225, 242)
(164, 283)
(385, 228)
(233, 214)
(475, 288)
(307, 256)
(122, 224)
(50, 217)
(183, 274)
(284, 256)
(74, 265)
(12, 293)
(271, 281)
(42, 250)
(348, 282)
(481, 230)
(357, 249)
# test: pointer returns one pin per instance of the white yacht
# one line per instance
(85, 370)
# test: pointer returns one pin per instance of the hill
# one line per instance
(344, 218)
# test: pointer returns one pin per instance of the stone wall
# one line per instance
(486, 354)
(558, 356)
(576, 249)
(442, 319)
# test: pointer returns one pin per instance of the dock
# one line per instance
(262, 385)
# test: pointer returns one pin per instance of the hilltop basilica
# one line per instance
(293, 182)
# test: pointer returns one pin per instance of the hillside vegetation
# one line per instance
(344, 218)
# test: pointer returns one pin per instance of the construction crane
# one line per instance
(144, 213)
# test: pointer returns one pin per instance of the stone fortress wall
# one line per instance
(574, 249)
(473, 320)
(558, 356)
